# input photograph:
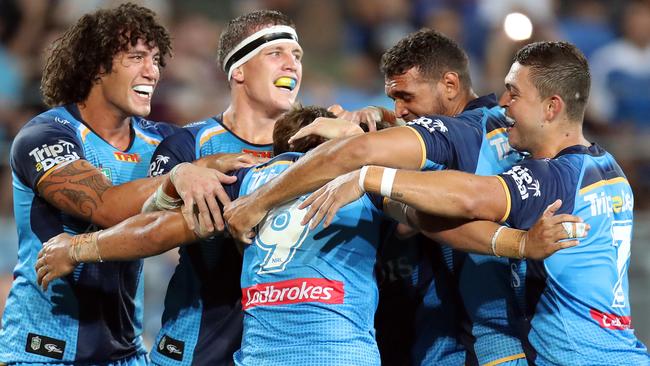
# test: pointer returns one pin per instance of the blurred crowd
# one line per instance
(343, 41)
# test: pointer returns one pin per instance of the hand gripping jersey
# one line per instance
(95, 313)
(309, 297)
(202, 320)
(577, 299)
(475, 141)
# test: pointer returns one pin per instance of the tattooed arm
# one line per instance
(82, 190)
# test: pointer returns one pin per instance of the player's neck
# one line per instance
(107, 121)
(249, 123)
(464, 99)
(560, 140)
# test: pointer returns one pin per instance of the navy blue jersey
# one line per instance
(475, 141)
(309, 296)
(577, 299)
(202, 320)
(95, 313)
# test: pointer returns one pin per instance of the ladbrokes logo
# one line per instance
(611, 321)
(293, 292)
(48, 156)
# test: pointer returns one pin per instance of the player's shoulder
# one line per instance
(152, 129)
(55, 119)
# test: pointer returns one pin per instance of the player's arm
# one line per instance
(446, 193)
(80, 189)
(544, 238)
(398, 147)
(140, 236)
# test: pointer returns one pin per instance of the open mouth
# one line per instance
(144, 90)
(285, 82)
(510, 122)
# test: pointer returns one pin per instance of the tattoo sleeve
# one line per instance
(76, 188)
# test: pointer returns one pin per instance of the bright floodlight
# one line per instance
(518, 26)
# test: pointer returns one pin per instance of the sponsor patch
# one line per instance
(524, 181)
(259, 154)
(611, 321)
(129, 158)
(48, 156)
(157, 166)
(430, 125)
(296, 291)
(45, 346)
(171, 348)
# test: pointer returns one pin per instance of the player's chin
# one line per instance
(141, 110)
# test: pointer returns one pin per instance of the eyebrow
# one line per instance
(511, 87)
(399, 94)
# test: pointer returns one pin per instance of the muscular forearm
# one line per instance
(125, 200)
(82, 190)
(395, 147)
(144, 235)
(445, 193)
(467, 236)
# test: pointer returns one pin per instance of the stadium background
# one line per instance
(343, 41)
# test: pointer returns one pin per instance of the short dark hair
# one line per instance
(90, 45)
(558, 68)
(292, 121)
(245, 25)
(431, 52)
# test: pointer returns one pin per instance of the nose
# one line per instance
(400, 109)
(291, 62)
(150, 69)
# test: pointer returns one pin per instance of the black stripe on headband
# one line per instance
(256, 43)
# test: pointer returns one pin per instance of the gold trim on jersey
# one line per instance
(508, 201)
(506, 359)
(422, 145)
(601, 183)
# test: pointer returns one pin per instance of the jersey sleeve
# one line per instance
(41, 147)
(446, 142)
(173, 150)
(233, 189)
(532, 186)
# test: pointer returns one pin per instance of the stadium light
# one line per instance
(518, 26)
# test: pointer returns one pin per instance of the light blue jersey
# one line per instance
(577, 299)
(309, 296)
(202, 320)
(93, 315)
(474, 141)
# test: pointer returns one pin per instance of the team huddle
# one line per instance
(455, 230)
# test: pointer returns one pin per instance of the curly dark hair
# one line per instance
(88, 48)
(291, 122)
(558, 68)
(431, 52)
(243, 26)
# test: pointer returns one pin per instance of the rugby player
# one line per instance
(72, 170)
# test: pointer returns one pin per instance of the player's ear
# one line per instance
(238, 74)
(451, 80)
(553, 106)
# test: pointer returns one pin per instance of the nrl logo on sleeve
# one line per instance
(429, 124)
(48, 156)
(171, 348)
(524, 181)
(45, 346)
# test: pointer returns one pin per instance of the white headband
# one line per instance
(252, 45)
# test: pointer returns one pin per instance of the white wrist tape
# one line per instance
(494, 241)
(362, 177)
(387, 179)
